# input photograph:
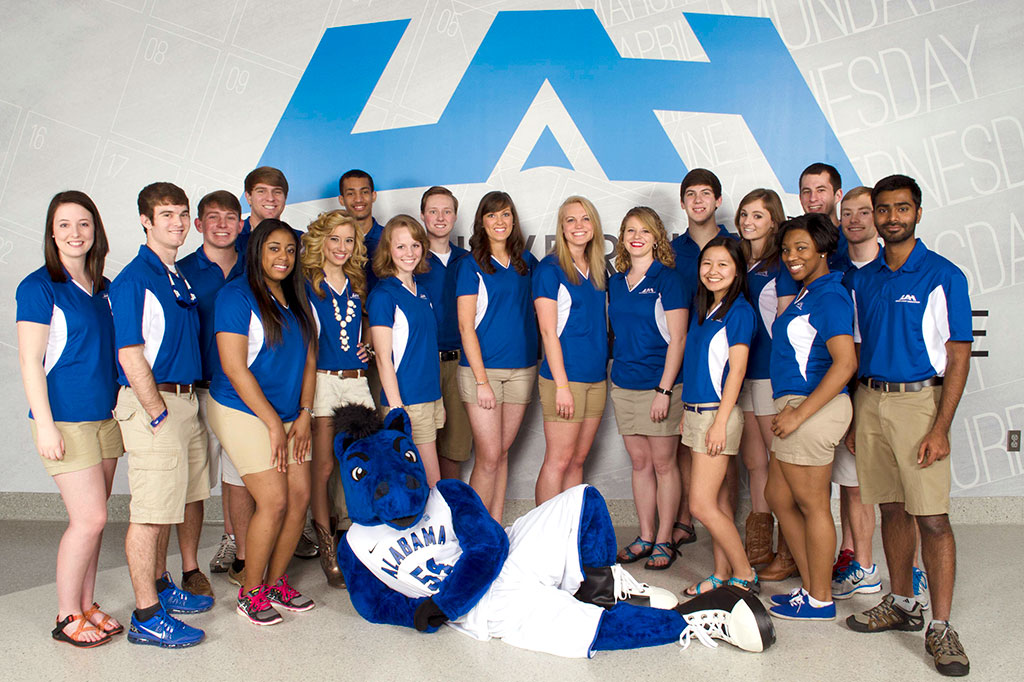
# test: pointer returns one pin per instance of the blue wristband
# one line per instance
(159, 418)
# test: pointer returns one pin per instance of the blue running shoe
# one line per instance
(856, 580)
(164, 631)
(921, 588)
(175, 600)
(799, 608)
(785, 597)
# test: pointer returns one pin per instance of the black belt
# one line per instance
(700, 409)
(897, 387)
(202, 384)
(447, 355)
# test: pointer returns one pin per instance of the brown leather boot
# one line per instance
(759, 538)
(782, 566)
(329, 556)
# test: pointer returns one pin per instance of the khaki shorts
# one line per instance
(814, 442)
(756, 397)
(85, 445)
(588, 400)
(890, 428)
(332, 392)
(696, 425)
(844, 467)
(168, 469)
(456, 438)
(245, 438)
(633, 412)
(221, 468)
(426, 418)
(513, 386)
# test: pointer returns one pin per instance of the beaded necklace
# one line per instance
(350, 312)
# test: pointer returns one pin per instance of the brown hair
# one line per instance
(772, 204)
(383, 265)
(266, 175)
(97, 254)
(650, 219)
(221, 199)
(160, 194)
(435, 191)
(856, 192)
(313, 258)
(480, 244)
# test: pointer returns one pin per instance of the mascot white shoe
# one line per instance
(424, 557)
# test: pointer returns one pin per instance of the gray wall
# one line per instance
(108, 96)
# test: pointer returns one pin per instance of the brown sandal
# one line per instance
(83, 626)
(102, 625)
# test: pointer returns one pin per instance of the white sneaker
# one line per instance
(856, 579)
(629, 588)
(921, 588)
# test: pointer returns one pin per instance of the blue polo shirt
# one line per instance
(334, 312)
(706, 361)
(278, 369)
(687, 254)
(505, 322)
(439, 282)
(242, 243)
(637, 317)
(80, 363)
(765, 285)
(148, 313)
(581, 324)
(413, 339)
(207, 279)
(370, 240)
(800, 356)
(904, 318)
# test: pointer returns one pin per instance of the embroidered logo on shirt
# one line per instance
(648, 290)
(907, 298)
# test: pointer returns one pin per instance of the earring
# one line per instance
(821, 256)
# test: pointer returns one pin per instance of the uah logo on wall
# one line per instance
(612, 101)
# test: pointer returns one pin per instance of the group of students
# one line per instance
(228, 365)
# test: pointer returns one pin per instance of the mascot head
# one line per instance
(380, 467)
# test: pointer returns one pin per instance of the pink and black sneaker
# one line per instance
(287, 597)
(255, 606)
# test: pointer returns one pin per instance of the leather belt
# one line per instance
(447, 355)
(344, 373)
(175, 388)
(897, 387)
(700, 409)
(202, 384)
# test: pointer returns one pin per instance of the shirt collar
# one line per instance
(824, 279)
(913, 262)
(722, 232)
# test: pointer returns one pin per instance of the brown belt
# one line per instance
(175, 388)
(344, 373)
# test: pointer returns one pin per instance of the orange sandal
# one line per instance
(83, 626)
(102, 625)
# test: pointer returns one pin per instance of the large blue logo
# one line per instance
(611, 100)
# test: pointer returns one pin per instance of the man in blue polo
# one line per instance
(215, 263)
(266, 192)
(700, 195)
(438, 209)
(156, 329)
(356, 194)
(913, 327)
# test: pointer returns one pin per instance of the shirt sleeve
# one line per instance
(958, 308)
(740, 324)
(833, 316)
(35, 301)
(232, 312)
(674, 294)
(785, 285)
(545, 282)
(381, 308)
(127, 300)
(466, 283)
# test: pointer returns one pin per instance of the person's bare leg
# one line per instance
(862, 527)
(161, 551)
(811, 486)
(755, 459)
(938, 549)
(85, 498)
(428, 455)
(140, 548)
(189, 531)
(511, 419)
(242, 506)
(791, 519)
(643, 482)
(269, 490)
(559, 448)
(709, 506)
(666, 474)
(322, 467)
(449, 467)
(108, 466)
(898, 542)
(683, 516)
(486, 426)
(298, 483)
(574, 473)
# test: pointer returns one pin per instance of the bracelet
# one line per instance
(559, 387)
(482, 383)
(159, 418)
(309, 410)
(663, 391)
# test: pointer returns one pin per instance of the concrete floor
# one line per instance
(332, 641)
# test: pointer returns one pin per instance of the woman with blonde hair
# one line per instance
(568, 292)
(404, 332)
(648, 312)
(333, 258)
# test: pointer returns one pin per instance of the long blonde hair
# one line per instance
(652, 221)
(593, 251)
(313, 252)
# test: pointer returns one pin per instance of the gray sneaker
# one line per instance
(944, 646)
(887, 616)
(222, 560)
(307, 549)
